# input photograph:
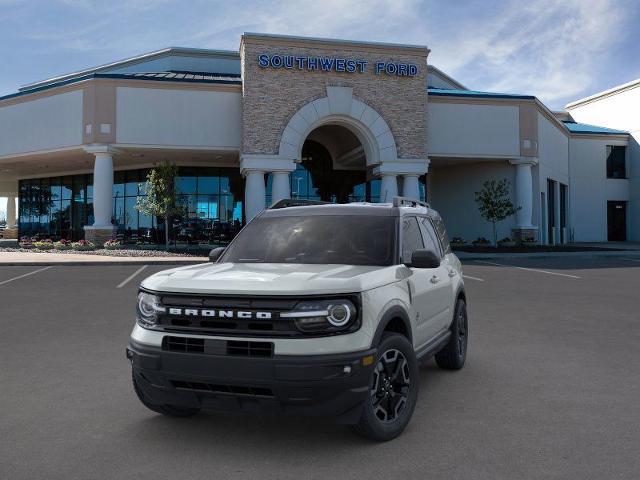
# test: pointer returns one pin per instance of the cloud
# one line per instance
(544, 47)
(557, 50)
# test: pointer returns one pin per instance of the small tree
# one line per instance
(494, 203)
(160, 200)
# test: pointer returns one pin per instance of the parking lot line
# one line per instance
(25, 275)
(632, 259)
(473, 278)
(132, 276)
(528, 269)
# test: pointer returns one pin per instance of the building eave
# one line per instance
(605, 93)
(116, 76)
(132, 61)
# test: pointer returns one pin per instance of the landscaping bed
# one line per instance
(529, 249)
(109, 252)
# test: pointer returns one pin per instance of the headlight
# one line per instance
(323, 316)
(148, 308)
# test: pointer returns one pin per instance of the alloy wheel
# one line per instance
(391, 384)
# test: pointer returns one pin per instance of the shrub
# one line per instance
(62, 245)
(83, 245)
(481, 241)
(112, 244)
(26, 242)
(43, 244)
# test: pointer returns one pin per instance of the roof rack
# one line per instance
(408, 202)
(295, 202)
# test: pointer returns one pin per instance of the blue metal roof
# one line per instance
(188, 77)
(575, 127)
(444, 92)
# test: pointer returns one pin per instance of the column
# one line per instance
(280, 187)
(411, 187)
(254, 194)
(524, 198)
(103, 190)
(102, 228)
(556, 227)
(11, 212)
(388, 188)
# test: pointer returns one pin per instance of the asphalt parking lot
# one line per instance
(551, 388)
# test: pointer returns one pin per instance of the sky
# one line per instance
(557, 50)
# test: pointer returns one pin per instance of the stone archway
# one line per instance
(339, 107)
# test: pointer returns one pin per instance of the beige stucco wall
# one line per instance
(272, 96)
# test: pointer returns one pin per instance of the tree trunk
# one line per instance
(166, 232)
(495, 235)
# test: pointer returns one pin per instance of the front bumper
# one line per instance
(333, 385)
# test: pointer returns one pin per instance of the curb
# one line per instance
(595, 254)
(89, 263)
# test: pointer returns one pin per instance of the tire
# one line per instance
(395, 383)
(454, 353)
(169, 410)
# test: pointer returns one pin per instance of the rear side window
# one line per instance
(442, 234)
(411, 238)
(431, 241)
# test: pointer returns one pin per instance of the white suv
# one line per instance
(314, 309)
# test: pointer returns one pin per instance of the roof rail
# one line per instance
(296, 202)
(408, 202)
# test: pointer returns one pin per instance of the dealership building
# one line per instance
(309, 118)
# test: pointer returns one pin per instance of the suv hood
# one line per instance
(271, 279)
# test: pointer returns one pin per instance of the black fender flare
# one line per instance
(393, 312)
(460, 293)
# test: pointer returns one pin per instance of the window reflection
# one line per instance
(210, 198)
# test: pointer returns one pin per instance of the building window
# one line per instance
(211, 200)
(616, 164)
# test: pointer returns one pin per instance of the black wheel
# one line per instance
(394, 390)
(454, 354)
(169, 410)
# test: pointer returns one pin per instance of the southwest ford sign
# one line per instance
(333, 64)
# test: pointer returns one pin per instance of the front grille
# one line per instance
(250, 349)
(217, 315)
(184, 344)
(253, 391)
(273, 326)
(211, 346)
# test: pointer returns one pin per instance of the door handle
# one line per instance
(435, 279)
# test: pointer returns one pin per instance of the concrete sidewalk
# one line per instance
(37, 259)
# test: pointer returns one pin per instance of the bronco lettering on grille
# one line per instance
(192, 312)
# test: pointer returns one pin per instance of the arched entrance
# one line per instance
(333, 168)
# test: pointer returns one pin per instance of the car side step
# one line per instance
(434, 346)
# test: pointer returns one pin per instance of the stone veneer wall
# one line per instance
(272, 96)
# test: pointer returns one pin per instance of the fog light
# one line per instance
(368, 360)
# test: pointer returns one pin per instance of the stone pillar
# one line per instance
(102, 228)
(411, 187)
(524, 198)
(254, 193)
(280, 187)
(388, 188)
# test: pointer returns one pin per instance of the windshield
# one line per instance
(346, 239)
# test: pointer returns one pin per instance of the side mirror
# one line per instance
(424, 258)
(214, 254)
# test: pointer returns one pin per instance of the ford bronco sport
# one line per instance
(313, 309)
